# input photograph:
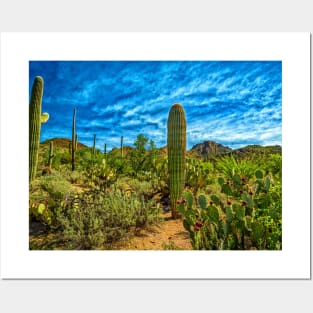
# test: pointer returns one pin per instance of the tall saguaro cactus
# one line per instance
(176, 147)
(35, 121)
(73, 139)
(51, 154)
(122, 138)
(94, 144)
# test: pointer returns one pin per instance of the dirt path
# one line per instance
(169, 235)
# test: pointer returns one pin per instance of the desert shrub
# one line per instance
(45, 194)
(231, 166)
(274, 165)
(94, 219)
(133, 185)
(100, 175)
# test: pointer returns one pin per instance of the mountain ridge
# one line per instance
(205, 150)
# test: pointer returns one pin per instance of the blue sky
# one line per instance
(235, 103)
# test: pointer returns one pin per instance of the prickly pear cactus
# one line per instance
(176, 145)
(35, 121)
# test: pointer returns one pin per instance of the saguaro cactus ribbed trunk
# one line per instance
(176, 147)
(73, 139)
(35, 120)
(122, 138)
(51, 154)
(94, 144)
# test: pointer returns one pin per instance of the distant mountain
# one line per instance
(205, 150)
(62, 143)
(256, 150)
(210, 149)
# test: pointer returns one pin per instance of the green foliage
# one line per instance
(274, 165)
(100, 175)
(176, 146)
(240, 219)
(95, 219)
(197, 174)
(231, 166)
(138, 155)
(45, 194)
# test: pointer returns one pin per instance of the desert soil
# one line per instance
(168, 235)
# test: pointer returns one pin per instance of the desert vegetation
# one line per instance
(85, 198)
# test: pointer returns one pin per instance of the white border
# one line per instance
(292, 262)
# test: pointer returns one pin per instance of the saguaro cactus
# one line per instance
(94, 144)
(73, 139)
(35, 120)
(122, 138)
(76, 142)
(51, 154)
(176, 147)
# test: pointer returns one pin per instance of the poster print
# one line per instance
(182, 142)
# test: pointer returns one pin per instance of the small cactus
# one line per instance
(36, 118)
(202, 202)
(189, 199)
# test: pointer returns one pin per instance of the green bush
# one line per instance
(231, 166)
(45, 194)
(94, 219)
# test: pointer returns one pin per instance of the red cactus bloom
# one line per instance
(211, 202)
(228, 202)
(198, 225)
(250, 193)
(244, 203)
(241, 191)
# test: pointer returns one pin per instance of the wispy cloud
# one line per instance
(234, 103)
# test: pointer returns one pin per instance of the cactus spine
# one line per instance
(35, 120)
(122, 138)
(51, 154)
(73, 139)
(176, 145)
